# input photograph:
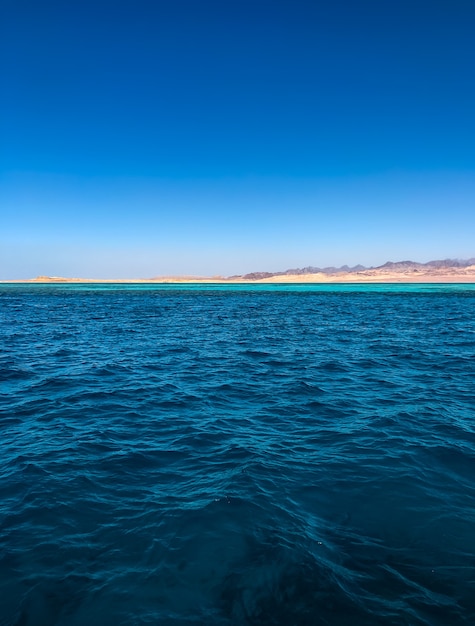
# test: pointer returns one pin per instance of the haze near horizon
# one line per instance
(152, 138)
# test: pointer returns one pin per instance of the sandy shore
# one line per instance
(443, 275)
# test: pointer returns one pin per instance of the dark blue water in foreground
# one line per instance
(265, 455)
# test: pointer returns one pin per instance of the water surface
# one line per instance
(209, 454)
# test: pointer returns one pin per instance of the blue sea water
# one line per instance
(249, 455)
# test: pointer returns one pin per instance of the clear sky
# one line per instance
(144, 138)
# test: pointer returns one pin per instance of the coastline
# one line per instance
(454, 275)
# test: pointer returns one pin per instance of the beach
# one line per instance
(420, 274)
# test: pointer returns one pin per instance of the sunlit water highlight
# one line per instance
(271, 454)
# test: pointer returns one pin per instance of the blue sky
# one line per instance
(198, 137)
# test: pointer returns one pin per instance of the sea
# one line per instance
(237, 454)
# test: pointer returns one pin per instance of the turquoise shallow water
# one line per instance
(294, 454)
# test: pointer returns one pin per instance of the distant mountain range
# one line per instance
(391, 266)
(445, 270)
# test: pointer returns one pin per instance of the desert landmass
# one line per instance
(445, 271)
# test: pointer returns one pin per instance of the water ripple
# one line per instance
(261, 456)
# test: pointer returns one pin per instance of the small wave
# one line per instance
(215, 456)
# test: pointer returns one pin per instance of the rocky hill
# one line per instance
(390, 266)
